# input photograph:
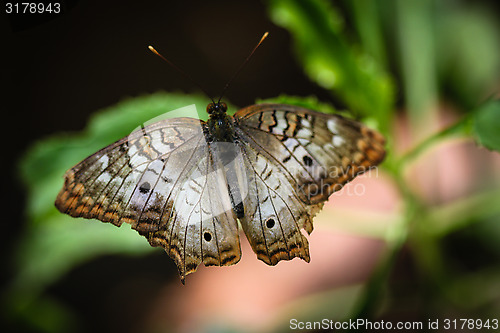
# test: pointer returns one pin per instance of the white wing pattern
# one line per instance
(172, 183)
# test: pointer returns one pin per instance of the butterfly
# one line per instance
(184, 183)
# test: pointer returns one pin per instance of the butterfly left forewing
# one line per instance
(107, 184)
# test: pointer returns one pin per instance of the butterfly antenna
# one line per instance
(152, 49)
(242, 65)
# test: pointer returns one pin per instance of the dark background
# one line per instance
(58, 69)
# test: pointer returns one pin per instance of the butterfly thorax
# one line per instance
(219, 127)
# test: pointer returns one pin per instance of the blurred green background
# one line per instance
(424, 73)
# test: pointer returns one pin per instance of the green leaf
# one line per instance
(367, 19)
(415, 37)
(487, 125)
(467, 48)
(329, 61)
(310, 102)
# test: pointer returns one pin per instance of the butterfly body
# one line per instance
(184, 183)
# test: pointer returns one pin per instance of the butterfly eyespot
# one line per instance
(270, 223)
(207, 236)
(307, 160)
(144, 188)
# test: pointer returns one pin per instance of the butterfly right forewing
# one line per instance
(318, 152)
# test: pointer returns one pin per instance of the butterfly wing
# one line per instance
(162, 180)
(274, 213)
(297, 158)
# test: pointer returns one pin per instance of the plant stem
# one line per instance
(376, 285)
(460, 128)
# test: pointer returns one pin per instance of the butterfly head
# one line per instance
(216, 108)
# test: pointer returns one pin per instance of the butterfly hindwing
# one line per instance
(274, 214)
(201, 226)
